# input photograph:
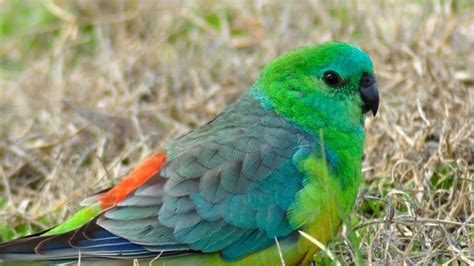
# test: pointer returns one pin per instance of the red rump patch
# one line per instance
(136, 178)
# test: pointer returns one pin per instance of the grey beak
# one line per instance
(370, 94)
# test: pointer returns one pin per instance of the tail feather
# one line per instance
(88, 241)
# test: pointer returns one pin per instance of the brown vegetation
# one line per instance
(100, 85)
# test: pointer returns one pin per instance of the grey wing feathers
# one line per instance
(220, 188)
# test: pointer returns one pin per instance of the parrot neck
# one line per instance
(342, 135)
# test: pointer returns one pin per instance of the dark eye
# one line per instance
(331, 78)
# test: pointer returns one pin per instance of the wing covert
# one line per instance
(225, 186)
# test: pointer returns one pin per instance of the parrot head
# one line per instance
(332, 84)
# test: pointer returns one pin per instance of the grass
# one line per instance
(88, 88)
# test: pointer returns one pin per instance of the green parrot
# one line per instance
(285, 157)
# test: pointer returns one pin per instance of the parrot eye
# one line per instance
(332, 79)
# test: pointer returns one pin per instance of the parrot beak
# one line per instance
(369, 93)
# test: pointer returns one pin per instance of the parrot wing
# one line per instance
(225, 187)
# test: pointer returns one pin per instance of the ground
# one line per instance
(89, 88)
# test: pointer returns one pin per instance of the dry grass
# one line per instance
(158, 69)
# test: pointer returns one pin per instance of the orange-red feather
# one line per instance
(136, 178)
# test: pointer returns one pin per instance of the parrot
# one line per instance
(284, 158)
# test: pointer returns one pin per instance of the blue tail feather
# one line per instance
(89, 241)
